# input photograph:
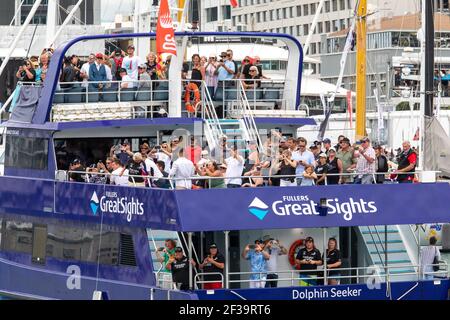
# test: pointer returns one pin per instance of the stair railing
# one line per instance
(209, 114)
(248, 120)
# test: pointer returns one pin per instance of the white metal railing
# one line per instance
(97, 100)
(212, 122)
(353, 273)
(65, 174)
(198, 281)
(248, 120)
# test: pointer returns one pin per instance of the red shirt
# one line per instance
(412, 158)
(194, 154)
(118, 62)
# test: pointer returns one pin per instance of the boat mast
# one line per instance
(54, 36)
(313, 27)
(52, 21)
(361, 28)
(427, 73)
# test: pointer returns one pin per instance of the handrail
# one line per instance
(248, 119)
(210, 115)
(208, 281)
(172, 179)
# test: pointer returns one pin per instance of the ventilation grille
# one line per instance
(127, 256)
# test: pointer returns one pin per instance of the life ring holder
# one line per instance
(292, 252)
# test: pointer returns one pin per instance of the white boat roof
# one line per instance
(314, 87)
(17, 53)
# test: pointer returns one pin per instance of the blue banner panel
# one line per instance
(134, 207)
(299, 207)
(423, 290)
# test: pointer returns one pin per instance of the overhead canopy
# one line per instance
(314, 87)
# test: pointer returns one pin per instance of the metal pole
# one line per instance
(227, 258)
(201, 245)
(313, 27)
(189, 259)
(64, 24)
(52, 21)
(419, 269)
(361, 70)
(19, 35)
(325, 282)
(385, 252)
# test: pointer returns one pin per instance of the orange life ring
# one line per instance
(191, 87)
(293, 251)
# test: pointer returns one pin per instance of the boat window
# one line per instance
(39, 243)
(81, 244)
(17, 236)
(26, 153)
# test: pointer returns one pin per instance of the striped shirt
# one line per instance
(362, 165)
(427, 255)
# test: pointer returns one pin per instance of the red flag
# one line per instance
(165, 37)
(234, 3)
(416, 135)
(349, 106)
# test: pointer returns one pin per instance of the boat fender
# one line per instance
(191, 87)
(293, 251)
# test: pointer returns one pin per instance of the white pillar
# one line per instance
(52, 21)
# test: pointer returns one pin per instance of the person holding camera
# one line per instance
(214, 262)
(287, 168)
(274, 249)
(258, 263)
(26, 72)
(235, 165)
(255, 179)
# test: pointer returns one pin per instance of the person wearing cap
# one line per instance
(365, 165)
(346, 155)
(130, 63)
(326, 145)
(382, 164)
(126, 81)
(226, 70)
(122, 152)
(235, 166)
(211, 75)
(179, 266)
(315, 151)
(77, 171)
(407, 160)
(258, 263)
(321, 169)
(303, 157)
(204, 159)
(214, 262)
(274, 248)
(308, 258)
(97, 72)
(335, 168)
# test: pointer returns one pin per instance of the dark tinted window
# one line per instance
(83, 244)
(17, 236)
(26, 153)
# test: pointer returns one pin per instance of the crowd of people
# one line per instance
(128, 68)
(262, 256)
(183, 164)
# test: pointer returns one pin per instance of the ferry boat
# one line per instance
(62, 239)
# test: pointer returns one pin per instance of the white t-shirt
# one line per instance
(108, 73)
(150, 164)
(183, 168)
(119, 180)
(131, 65)
(234, 169)
(161, 156)
(127, 82)
(85, 68)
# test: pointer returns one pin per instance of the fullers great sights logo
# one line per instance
(258, 208)
(94, 203)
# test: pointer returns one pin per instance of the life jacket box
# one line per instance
(445, 237)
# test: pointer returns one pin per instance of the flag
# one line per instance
(349, 106)
(165, 37)
(234, 3)
(416, 135)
